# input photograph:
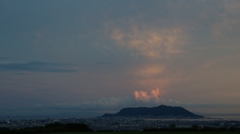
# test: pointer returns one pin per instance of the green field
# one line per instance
(147, 133)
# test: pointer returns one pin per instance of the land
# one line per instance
(162, 119)
(120, 124)
(161, 111)
(147, 133)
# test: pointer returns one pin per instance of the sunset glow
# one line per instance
(144, 96)
(79, 57)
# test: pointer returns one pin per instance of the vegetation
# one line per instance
(145, 133)
(81, 128)
(50, 128)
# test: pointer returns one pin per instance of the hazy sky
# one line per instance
(86, 56)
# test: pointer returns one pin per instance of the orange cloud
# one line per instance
(144, 96)
(155, 93)
(141, 95)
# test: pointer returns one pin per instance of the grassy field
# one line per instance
(148, 133)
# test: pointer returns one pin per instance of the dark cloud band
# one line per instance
(36, 67)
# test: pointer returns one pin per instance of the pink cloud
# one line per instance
(144, 96)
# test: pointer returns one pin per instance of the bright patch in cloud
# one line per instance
(150, 76)
(144, 96)
(150, 71)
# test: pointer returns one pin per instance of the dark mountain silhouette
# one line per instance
(161, 111)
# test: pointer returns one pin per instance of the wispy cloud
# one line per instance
(36, 67)
(116, 103)
(152, 43)
(100, 106)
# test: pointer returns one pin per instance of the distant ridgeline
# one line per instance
(161, 111)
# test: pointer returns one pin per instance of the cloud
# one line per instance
(149, 75)
(36, 67)
(109, 103)
(152, 43)
(149, 71)
(139, 99)
(78, 110)
(227, 27)
(232, 6)
(145, 97)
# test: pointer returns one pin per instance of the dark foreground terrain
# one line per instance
(148, 133)
(150, 127)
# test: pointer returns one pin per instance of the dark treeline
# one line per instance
(195, 128)
(81, 127)
(53, 127)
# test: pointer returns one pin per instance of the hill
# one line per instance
(161, 111)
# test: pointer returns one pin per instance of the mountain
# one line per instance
(161, 111)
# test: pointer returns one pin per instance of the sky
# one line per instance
(87, 57)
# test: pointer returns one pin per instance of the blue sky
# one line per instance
(86, 56)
